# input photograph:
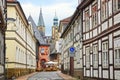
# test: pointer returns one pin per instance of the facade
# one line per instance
(101, 39)
(44, 52)
(99, 42)
(62, 25)
(20, 42)
(66, 44)
(72, 36)
(2, 38)
(44, 47)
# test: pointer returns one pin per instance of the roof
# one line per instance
(66, 19)
(41, 21)
(64, 22)
(19, 5)
(37, 32)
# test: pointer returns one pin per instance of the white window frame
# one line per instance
(104, 9)
(116, 5)
(105, 54)
(95, 56)
(117, 52)
(87, 20)
(94, 15)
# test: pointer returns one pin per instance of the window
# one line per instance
(117, 52)
(104, 9)
(94, 15)
(87, 57)
(116, 4)
(95, 56)
(42, 50)
(87, 20)
(105, 54)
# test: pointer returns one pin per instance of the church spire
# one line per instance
(55, 20)
(41, 21)
(41, 25)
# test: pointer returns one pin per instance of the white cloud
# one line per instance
(63, 10)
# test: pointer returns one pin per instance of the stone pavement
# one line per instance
(64, 76)
(25, 77)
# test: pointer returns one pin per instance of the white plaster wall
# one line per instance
(100, 72)
(117, 19)
(100, 58)
(117, 75)
(94, 32)
(111, 56)
(91, 71)
(84, 71)
(99, 4)
(91, 57)
(90, 23)
(84, 37)
(87, 72)
(99, 17)
(104, 25)
(104, 38)
(90, 9)
(84, 60)
(95, 73)
(117, 33)
(99, 45)
(111, 72)
(105, 73)
(83, 49)
(110, 22)
(110, 41)
(91, 34)
(87, 35)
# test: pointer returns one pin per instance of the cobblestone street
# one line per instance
(46, 76)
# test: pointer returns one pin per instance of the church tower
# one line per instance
(55, 20)
(55, 34)
(41, 25)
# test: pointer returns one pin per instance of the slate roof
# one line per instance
(37, 33)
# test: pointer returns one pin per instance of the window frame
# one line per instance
(116, 5)
(87, 20)
(105, 54)
(104, 9)
(94, 15)
(117, 51)
(95, 56)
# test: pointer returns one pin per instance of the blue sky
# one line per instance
(63, 9)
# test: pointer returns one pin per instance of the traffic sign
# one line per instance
(72, 51)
